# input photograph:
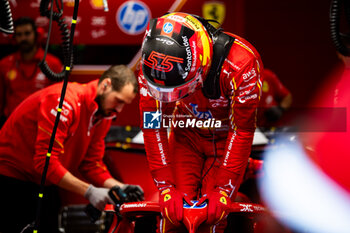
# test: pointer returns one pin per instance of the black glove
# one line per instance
(129, 193)
(274, 113)
(133, 193)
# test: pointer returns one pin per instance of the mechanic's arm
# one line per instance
(111, 182)
(94, 169)
(286, 101)
(73, 184)
(282, 94)
(46, 119)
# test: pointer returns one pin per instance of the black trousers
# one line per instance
(18, 204)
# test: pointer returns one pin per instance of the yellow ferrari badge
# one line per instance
(167, 197)
(213, 10)
(223, 200)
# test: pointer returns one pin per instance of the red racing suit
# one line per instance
(184, 159)
(19, 78)
(79, 142)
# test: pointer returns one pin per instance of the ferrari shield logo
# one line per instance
(215, 11)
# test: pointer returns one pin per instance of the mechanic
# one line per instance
(20, 75)
(275, 100)
(86, 116)
(181, 55)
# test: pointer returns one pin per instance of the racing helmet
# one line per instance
(176, 54)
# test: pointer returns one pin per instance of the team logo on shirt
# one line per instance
(265, 87)
(11, 75)
(201, 114)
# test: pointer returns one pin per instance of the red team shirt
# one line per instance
(79, 143)
(273, 92)
(236, 108)
(19, 78)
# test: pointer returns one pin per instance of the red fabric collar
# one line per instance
(37, 56)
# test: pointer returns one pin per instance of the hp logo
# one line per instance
(168, 27)
(132, 17)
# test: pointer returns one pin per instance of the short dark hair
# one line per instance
(120, 75)
(24, 21)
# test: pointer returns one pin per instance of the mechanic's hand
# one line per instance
(98, 197)
(218, 203)
(274, 113)
(171, 204)
(133, 192)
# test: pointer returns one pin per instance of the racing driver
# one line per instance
(192, 73)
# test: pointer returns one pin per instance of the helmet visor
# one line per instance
(172, 94)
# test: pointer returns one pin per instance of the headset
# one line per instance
(222, 43)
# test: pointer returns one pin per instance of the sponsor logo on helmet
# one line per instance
(177, 18)
(168, 27)
(161, 62)
(194, 23)
(132, 17)
(188, 53)
(194, 46)
(165, 41)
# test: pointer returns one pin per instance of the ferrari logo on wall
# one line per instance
(214, 11)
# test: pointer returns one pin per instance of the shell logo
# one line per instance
(96, 4)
